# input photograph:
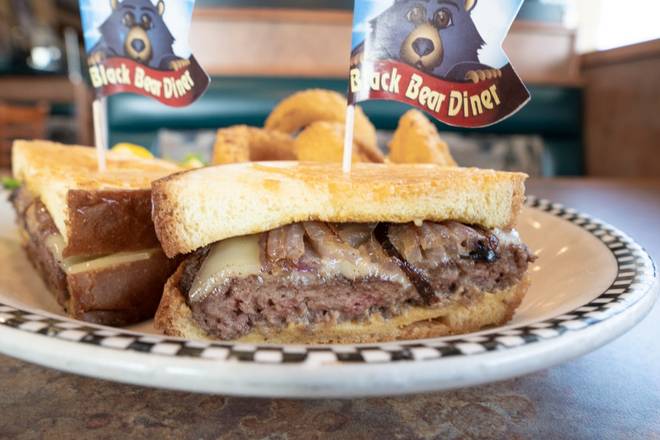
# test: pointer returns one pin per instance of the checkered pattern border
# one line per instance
(635, 277)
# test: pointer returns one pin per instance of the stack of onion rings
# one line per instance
(309, 126)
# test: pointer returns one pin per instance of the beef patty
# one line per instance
(317, 272)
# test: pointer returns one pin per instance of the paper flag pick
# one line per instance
(441, 56)
(141, 46)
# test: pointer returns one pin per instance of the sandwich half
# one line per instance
(90, 234)
(293, 252)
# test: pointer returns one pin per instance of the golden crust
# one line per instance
(174, 318)
(78, 164)
(173, 315)
(416, 140)
(196, 208)
(241, 143)
(50, 170)
(324, 142)
(303, 108)
(117, 295)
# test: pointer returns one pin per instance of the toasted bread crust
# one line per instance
(120, 295)
(106, 222)
(174, 318)
(196, 208)
(106, 291)
(66, 178)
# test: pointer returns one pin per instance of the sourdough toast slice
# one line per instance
(96, 213)
(117, 289)
(89, 234)
(196, 208)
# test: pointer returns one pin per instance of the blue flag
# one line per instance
(441, 56)
(141, 46)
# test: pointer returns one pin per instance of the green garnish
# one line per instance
(10, 184)
(193, 157)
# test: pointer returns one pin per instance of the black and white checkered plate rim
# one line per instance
(635, 277)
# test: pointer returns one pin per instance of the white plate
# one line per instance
(590, 284)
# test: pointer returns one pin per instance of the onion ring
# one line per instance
(416, 140)
(301, 109)
(324, 142)
(241, 143)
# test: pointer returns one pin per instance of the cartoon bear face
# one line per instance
(434, 36)
(136, 30)
(139, 22)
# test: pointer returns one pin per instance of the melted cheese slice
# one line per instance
(231, 258)
(240, 257)
(76, 265)
(362, 268)
(507, 237)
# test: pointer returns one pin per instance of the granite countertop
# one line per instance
(611, 393)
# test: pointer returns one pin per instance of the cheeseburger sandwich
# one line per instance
(90, 234)
(290, 252)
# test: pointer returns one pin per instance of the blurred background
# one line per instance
(592, 67)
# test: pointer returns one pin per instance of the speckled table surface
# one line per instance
(611, 393)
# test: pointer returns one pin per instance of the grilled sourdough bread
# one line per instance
(194, 209)
(95, 213)
(301, 253)
(89, 234)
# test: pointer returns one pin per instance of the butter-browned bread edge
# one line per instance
(196, 208)
(95, 212)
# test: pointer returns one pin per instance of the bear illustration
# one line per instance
(135, 29)
(438, 37)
